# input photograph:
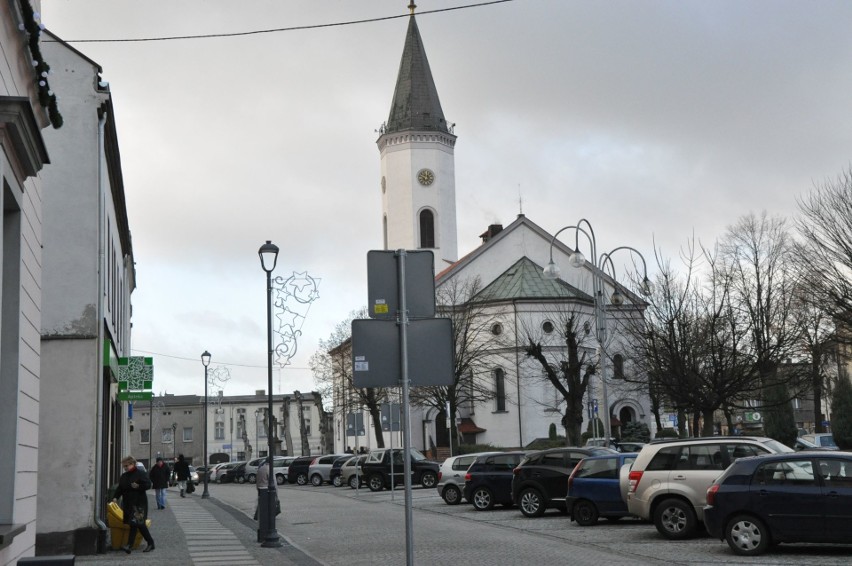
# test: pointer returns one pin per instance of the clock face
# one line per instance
(425, 177)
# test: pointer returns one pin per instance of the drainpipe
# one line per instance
(100, 496)
(518, 376)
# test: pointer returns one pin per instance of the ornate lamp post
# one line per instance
(599, 263)
(205, 360)
(268, 253)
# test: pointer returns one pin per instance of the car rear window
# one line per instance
(463, 462)
(605, 468)
(553, 459)
(664, 459)
(503, 461)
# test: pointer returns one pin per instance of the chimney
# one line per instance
(260, 392)
(492, 231)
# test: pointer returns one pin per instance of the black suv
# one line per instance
(541, 479)
(377, 469)
(298, 470)
(489, 480)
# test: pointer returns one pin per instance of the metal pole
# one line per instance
(600, 314)
(403, 335)
(272, 539)
(206, 493)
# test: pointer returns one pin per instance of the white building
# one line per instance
(514, 405)
(88, 277)
(22, 156)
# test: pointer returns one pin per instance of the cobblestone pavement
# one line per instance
(349, 527)
(341, 526)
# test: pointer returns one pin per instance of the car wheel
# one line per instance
(532, 503)
(675, 519)
(302, 479)
(241, 479)
(316, 480)
(429, 479)
(585, 513)
(252, 478)
(376, 482)
(337, 481)
(747, 535)
(279, 479)
(451, 495)
(353, 482)
(482, 499)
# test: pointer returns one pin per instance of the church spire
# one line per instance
(415, 100)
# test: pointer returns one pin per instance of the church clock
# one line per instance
(425, 177)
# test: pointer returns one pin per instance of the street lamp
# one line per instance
(268, 253)
(174, 442)
(599, 263)
(205, 360)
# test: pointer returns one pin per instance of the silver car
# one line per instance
(451, 476)
(320, 468)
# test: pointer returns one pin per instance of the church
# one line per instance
(521, 286)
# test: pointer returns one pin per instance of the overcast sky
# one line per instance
(654, 120)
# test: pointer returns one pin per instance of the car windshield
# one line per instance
(827, 440)
(776, 446)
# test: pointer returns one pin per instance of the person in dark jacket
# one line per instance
(160, 480)
(132, 486)
(182, 473)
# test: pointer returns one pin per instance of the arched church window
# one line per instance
(427, 229)
(618, 366)
(500, 389)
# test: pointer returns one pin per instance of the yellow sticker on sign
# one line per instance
(380, 309)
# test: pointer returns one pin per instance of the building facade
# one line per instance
(236, 427)
(23, 155)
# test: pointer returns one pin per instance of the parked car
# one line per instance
(594, 490)
(669, 479)
(451, 476)
(540, 481)
(334, 474)
(782, 498)
(599, 442)
(214, 471)
(236, 473)
(319, 470)
(379, 468)
(488, 481)
(193, 475)
(201, 471)
(297, 471)
(222, 472)
(281, 466)
(351, 473)
(823, 440)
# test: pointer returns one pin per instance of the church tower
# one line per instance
(417, 161)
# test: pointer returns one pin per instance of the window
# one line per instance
(547, 327)
(462, 463)
(618, 366)
(427, 229)
(836, 472)
(797, 472)
(145, 435)
(219, 431)
(167, 435)
(307, 426)
(496, 329)
(241, 455)
(701, 457)
(187, 434)
(500, 389)
(604, 468)
(261, 430)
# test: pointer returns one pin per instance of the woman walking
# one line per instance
(132, 486)
(182, 473)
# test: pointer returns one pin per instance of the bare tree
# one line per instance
(331, 365)
(564, 367)
(825, 226)
(457, 300)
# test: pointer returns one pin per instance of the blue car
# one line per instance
(594, 490)
(781, 498)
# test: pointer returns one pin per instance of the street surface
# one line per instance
(345, 527)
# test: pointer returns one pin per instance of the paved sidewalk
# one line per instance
(204, 532)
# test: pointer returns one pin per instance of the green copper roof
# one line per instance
(525, 280)
(415, 100)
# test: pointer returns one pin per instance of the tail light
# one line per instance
(314, 461)
(711, 494)
(573, 473)
(467, 477)
(440, 475)
(634, 478)
(516, 471)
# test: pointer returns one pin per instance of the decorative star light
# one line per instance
(291, 315)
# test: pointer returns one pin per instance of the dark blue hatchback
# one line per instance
(594, 490)
(775, 498)
(489, 480)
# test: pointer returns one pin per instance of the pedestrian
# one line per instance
(131, 489)
(182, 473)
(160, 480)
(262, 486)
